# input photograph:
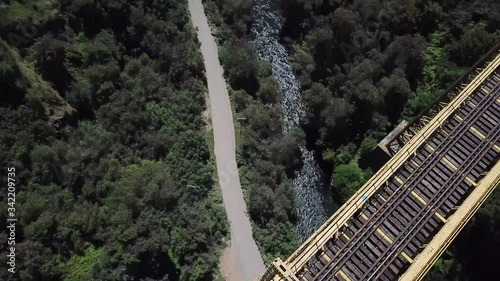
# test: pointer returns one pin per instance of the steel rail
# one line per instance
(478, 112)
(434, 204)
(438, 151)
(421, 170)
(433, 198)
(301, 259)
(437, 203)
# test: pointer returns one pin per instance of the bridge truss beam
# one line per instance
(295, 265)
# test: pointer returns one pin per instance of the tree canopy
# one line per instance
(102, 117)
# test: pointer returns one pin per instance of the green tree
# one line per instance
(438, 74)
(367, 145)
(475, 42)
(345, 154)
(240, 64)
(79, 267)
(268, 93)
(346, 180)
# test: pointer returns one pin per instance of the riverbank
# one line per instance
(307, 180)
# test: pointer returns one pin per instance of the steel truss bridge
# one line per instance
(444, 166)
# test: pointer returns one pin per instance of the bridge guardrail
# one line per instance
(355, 203)
(332, 226)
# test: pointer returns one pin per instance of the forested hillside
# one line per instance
(366, 65)
(101, 108)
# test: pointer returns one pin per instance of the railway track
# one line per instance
(380, 242)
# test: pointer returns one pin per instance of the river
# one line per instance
(308, 181)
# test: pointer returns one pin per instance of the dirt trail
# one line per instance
(242, 260)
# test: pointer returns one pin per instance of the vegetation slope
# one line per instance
(101, 108)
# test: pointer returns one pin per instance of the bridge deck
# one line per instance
(379, 232)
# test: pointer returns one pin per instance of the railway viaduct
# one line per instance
(444, 165)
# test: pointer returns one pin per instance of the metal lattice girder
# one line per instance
(407, 144)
